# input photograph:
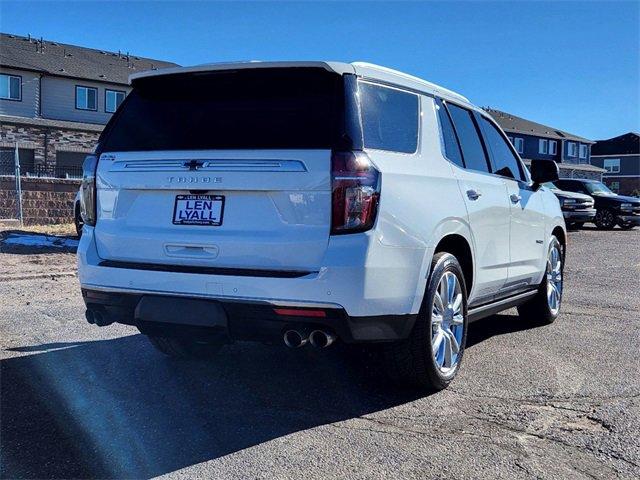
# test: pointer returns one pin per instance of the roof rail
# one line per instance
(428, 85)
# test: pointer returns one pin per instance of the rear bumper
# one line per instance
(372, 291)
(579, 215)
(242, 320)
(632, 219)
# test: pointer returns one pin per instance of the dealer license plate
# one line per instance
(198, 210)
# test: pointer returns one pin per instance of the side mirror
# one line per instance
(543, 171)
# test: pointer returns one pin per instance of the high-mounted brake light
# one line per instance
(355, 184)
(88, 190)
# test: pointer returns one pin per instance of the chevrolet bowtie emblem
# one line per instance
(193, 164)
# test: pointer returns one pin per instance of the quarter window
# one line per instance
(389, 118)
(10, 87)
(472, 150)
(113, 99)
(86, 98)
(612, 165)
(449, 140)
(505, 162)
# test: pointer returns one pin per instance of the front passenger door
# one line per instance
(527, 232)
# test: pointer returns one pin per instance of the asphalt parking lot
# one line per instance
(561, 401)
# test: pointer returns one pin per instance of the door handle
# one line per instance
(515, 198)
(473, 194)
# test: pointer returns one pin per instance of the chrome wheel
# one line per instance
(554, 279)
(447, 323)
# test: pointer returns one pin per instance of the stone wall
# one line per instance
(568, 171)
(46, 141)
(45, 201)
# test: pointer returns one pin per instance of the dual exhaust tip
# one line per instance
(317, 338)
(98, 316)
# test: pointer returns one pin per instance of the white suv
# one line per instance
(312, 202)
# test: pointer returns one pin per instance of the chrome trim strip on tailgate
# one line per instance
(208, 165)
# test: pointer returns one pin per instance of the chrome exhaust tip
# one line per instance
(321, 339)
(294, 339)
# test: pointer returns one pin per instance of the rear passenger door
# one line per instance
(527, 231)
(485, 196)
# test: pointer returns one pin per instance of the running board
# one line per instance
(489, 309)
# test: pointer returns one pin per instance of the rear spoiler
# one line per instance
(337, 67)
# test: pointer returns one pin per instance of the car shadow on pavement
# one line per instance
(118, 409)
(495, 325)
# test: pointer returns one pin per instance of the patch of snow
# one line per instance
(40, 241)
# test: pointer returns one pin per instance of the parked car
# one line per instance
(309, 202)
(611, 208)
(77, 214)
(577, 208)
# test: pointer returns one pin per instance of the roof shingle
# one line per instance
(72, 61)
(513, 124)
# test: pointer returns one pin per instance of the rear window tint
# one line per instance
(389, 118)
(449, 140)
(472, 150)
(260, 108)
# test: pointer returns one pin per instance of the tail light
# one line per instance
(355, 183)
(88, 190)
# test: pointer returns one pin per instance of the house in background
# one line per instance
(55, 100)
(620, 157)
(537, 141)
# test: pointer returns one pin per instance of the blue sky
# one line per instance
(572, 65)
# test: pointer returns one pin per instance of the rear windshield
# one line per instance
(259, 108)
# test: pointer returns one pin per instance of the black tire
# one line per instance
(537, 310)
(605, 219)
(411, 361)
(626, 226)
(185, 347)
(77, 219)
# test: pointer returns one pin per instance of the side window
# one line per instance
(505, 162)
(390, 118)
(472, 151)
(449, 140)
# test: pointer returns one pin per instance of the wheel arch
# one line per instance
(460, 247)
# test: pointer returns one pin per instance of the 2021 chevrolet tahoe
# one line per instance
(309, 202)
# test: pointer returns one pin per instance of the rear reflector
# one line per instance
(299, 312)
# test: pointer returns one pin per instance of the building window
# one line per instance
(553, 147)
(612, 165)
(8, 161)
(510, 139)
(519, 144)
(572, 149)
(583, 151)
(11, 87)
(543, 146)
(113, 99)
(86, 98)
(614, 186)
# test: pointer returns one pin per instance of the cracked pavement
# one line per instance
(561, 401)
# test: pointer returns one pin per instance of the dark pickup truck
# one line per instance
(611, 208)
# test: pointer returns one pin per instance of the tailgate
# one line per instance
(257, 209)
